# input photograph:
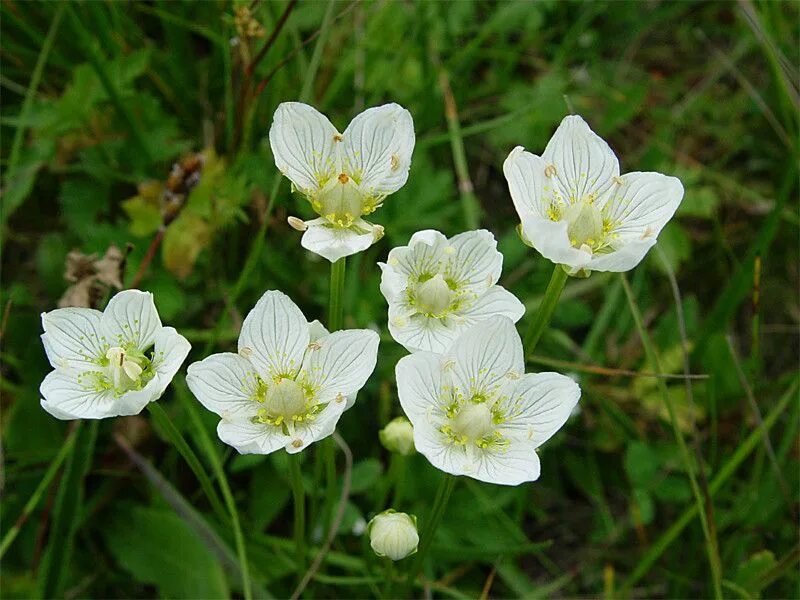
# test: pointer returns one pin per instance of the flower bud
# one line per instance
(393, 534)
(398, 436)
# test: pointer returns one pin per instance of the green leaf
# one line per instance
(158, 548)
(365, 474)
(751, 573)
(641, 465)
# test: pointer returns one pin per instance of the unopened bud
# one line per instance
(393, 534)
(398, 436)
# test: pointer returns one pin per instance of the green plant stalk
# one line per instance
(44, 483)
(429, 529)
(165, 423)
(216, 465)
(397, 474)
(729, 468)
(61, 536)
(652, 358)
(298, 493)
(542, 317)
(336, 303)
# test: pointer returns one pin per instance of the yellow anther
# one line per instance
(343, 178)
(337, 137)
(394, 162)
(617, 179)
(298, 443)
(550, 171)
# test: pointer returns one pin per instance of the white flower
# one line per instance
(344, 176)
(398, 436)
(290, 381)
(393, 534)
(110, 363)
(475, 412)
(578, 211)
(437, 287)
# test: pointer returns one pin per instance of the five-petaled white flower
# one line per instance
(290, 381)
(104, 365)
(344, 176)
(577, 210)
(437, 287)
(475, 412)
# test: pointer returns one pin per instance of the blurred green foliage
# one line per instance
(101, 98)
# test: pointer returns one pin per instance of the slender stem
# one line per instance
(397, 473)
(391, 574)
(428, 528)
(44, 483)
(230, 503)
(336, 305)
(174, 435)
(298, 491)
(542, 317)
(702, 505)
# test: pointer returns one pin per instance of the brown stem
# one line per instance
(148, 257)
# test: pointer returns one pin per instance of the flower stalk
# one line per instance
(298, 493)
(428, 529)
(336, 304)
(542, 317)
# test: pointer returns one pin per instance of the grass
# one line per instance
(100, 99)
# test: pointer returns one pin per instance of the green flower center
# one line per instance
(126, 369)
(286, 399)
(434, 296)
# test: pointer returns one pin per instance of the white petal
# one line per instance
(274, 336)
(68, 397)
(304, 144)
(495, 301)
(73, 337)
(473, 259)
(584, 163)
(134, 401)
(322, 426)
(340, 364)
(333, 242)
(423, 255)
(65, 398)
(626, 257)
(419, 384)
(642, 204)
(538, 406)
(225, 384)
(377, 148)
(316, 330)
(170, 350)
(251, 438)
(433, 445)
(485, 354)
(131, 318)
(530, 190)
(551, 241)
(512, 465)
(417, 332)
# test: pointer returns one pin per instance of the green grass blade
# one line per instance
(50, 578)
(729, 468)
(165, 424)
(33, 501)
(216, 464)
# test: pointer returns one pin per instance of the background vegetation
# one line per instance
(101, 98)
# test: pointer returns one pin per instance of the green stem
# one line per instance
(742, 451)
(391, 574)
(336, 304)
(397, 472)
(216, 465)
(165, 423)
(428, 528)
(652, 358)
(542, 317)
(44, 483)
(296, 480)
